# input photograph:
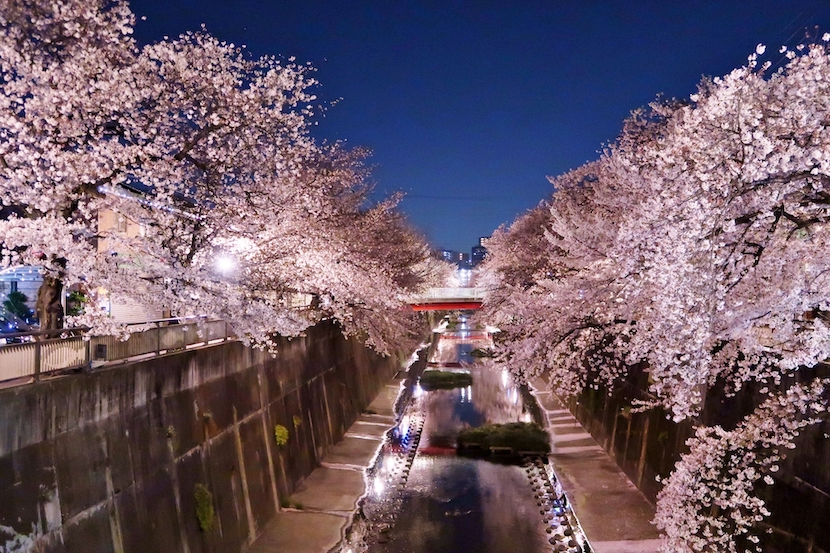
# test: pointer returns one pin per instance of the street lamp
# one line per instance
(225, 264)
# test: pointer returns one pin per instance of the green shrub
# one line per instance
(204, 507)
(15, 303)
(287, 503)
(519, 436)
(445, 380)
(75, 303)
(281, 435)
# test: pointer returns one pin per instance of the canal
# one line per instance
(423, 498)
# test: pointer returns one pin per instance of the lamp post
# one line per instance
(225, 264)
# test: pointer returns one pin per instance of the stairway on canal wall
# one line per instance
(110, 461)
(648, 444)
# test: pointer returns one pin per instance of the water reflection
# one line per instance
(454, 504)
(423, 498)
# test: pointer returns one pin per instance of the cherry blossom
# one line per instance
(695, 248)
(209, 151)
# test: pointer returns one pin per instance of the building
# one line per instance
(479, 252)
(477, 256)
(449, 256)
(27, 279)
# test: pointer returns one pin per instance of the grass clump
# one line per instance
(204, 507)
(281, 435)
(444, 380)
(518, 436)
(287, 503)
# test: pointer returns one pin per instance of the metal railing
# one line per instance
(33, 354)
(444, 294)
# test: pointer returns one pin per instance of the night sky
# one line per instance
(468, 106)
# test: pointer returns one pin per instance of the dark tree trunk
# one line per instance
(49, 307)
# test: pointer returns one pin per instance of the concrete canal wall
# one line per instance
(646, 445)
(119, 460)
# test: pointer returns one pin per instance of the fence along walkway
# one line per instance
(45, 352)
(446, 299)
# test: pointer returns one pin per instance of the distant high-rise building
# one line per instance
(478, 255)
(479, 252)
(448, 255)
(462, 259)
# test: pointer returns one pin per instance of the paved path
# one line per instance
(329, 495)
(614, 514)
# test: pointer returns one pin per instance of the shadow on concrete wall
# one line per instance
(110, 461)
(646, 445)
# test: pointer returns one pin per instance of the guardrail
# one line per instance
(458, 293)
(33, 354)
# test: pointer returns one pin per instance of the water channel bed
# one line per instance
(423, 498)
(454, 504)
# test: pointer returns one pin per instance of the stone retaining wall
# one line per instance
(646, 445)
(109, 461)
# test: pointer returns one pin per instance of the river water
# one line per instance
(422, 498)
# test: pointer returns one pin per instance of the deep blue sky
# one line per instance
(467, 106)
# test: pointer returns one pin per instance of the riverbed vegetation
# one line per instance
(445, 380)
(518, 436)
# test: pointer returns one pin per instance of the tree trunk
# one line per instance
(49, 307)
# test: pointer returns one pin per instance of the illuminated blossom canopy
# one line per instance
(209, 151)
(697, 248)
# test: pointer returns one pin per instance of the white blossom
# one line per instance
(209, 151)
(697, 249)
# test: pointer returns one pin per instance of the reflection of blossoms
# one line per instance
(497, 401)
(708, 503)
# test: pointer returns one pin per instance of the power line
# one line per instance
(458, 198)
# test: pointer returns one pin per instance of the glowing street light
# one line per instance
(225, 265)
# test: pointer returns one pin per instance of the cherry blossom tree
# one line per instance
(695, 248)
(209, 151)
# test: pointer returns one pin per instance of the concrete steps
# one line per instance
(614, 514)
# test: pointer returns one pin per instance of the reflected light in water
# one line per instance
(378, 486)
(418, 392)
(422, 462)
(505, 379)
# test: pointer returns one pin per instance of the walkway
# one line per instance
(329, 495)
(614, 514)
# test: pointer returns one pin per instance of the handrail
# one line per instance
(47, 351)
(445, 294)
